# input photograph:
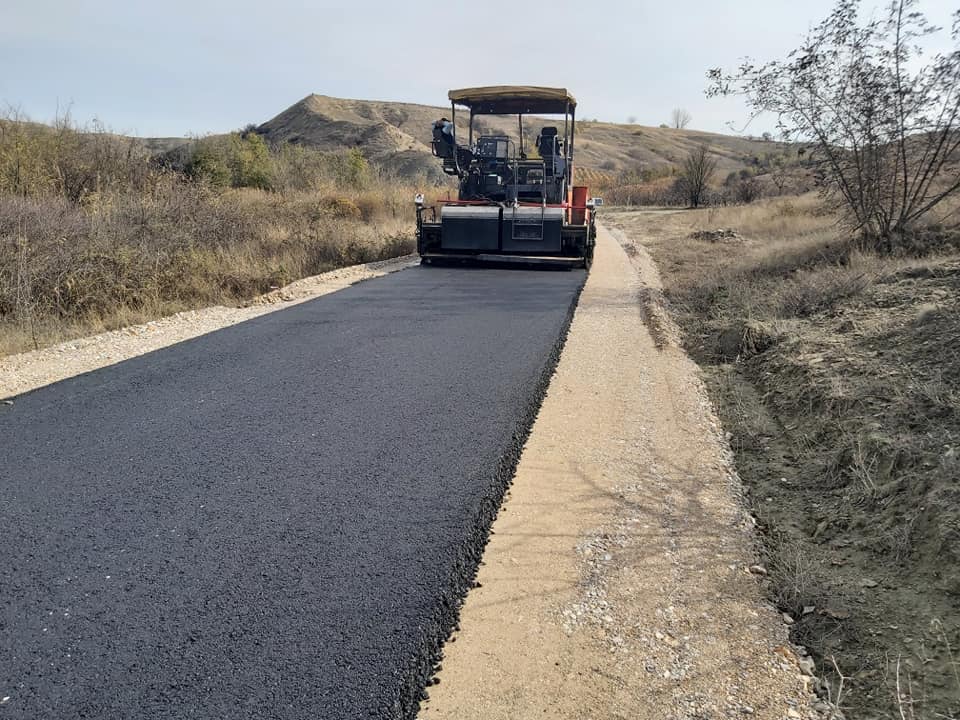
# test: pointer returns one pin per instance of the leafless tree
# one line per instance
(882, 117)
(779, 173)
(680, 118)
(632, 120)
(747, 190)
(696, 174)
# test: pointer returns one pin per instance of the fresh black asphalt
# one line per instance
(276, 520)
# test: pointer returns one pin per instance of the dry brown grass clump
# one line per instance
(94, 233)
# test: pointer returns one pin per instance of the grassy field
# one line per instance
(97, 233)
(836, 372)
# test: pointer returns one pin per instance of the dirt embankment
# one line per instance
(837, 376)
(620, 579)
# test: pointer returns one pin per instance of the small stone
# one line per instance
(746, 710)
(757, 569)
(807, 666)
(787, 618)
(835, 614)
(809, 609)
(786, 653)
(791, 713)
(868, 583)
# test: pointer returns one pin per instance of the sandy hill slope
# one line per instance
(400, 133)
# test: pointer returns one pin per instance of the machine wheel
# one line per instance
(588, 258)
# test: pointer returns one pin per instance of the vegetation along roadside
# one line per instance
(97, 231)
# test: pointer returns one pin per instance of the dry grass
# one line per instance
(66, 269)
(793, 261)
(92, 237)
(789, 264)
(774, 219)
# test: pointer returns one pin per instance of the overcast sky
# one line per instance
(178, 67)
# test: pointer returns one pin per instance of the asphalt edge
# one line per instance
(277, 304)
(446, 616)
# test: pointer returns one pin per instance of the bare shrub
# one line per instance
(747, 190)
(38, 159)
(811, 291)
(680, 118)
(793, 573)
(883, 124)
(695, 175)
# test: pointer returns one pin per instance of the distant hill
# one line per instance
(399, 134)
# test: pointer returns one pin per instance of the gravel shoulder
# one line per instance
(27, 371)
(617, 581)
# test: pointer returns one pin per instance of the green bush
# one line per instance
(209, 163)
(235, 160)
(250, 161)
(352, 169)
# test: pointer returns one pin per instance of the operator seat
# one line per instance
(549, 147)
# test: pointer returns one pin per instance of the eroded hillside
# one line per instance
(400, 133)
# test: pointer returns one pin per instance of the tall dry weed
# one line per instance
(93, 231)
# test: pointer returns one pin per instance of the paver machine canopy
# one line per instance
(516, 200)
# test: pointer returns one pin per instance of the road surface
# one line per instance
(275, 520)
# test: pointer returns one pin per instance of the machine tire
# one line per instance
(588, 258)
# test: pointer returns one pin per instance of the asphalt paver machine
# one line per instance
(515, 204)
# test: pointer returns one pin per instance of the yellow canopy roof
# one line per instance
(512, 99)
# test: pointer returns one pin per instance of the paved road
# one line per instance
(276, 520)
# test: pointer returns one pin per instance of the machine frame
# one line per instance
(510, 208)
